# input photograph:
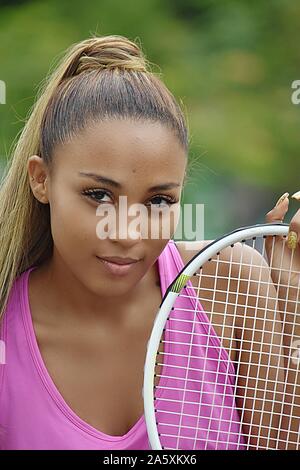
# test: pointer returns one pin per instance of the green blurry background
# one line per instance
(231, 63)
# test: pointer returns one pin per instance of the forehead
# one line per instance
(123, 149)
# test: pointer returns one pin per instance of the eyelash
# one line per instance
(91, 192)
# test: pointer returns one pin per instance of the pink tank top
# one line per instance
(34, 415)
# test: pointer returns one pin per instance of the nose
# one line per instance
(126, 231)
(119, 225)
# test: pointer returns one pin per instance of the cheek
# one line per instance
(164, 223)
(175, 215)
(73, 225)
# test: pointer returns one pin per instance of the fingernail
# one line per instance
(292, 240)
(296, 195)
(282, 198)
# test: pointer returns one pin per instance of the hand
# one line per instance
(285, 272)
(286, 268)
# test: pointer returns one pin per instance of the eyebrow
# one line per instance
(115, 184)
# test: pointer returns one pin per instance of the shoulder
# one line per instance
(188, 250)
(241, 254)
(245, 263)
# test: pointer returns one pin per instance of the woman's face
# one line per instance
(136, 157)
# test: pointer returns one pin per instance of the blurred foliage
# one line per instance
(231, 63)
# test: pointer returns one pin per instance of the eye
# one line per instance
(168, 201)
(96, 194)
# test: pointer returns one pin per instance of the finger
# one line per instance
(294, 231)
(282, 198)
(277, 214)
(296, 196)
(280, 209)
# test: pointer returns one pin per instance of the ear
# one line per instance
(38, 178)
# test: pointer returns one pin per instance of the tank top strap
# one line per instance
(169, 264)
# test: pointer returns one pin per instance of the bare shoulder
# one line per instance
(233, 289)
(188, 249)
(241, 256)
(241, 271)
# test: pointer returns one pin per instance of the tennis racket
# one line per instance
(222, 362)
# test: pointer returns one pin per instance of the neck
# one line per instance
(68, 301)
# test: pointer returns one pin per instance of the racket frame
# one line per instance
(236, 236)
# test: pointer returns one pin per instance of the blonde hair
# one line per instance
(97, 78)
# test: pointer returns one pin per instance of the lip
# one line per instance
(118, 260)
(118, 269)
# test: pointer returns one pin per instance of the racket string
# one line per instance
(258, 340)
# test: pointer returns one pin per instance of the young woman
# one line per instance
(77, 309)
